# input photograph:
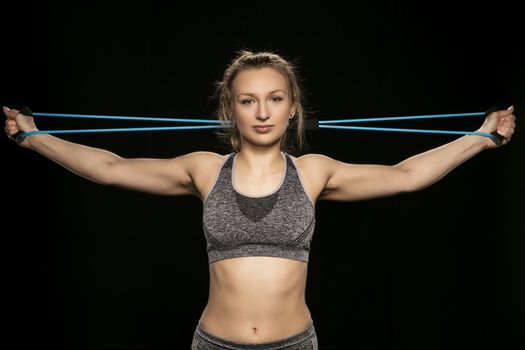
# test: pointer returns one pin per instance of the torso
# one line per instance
(257, 298)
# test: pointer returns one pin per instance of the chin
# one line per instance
(266, 142)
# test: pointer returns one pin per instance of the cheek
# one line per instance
(241, 117)
(244, 114)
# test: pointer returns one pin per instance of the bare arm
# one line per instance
(160, 176)
(356, 181)
(424, 169)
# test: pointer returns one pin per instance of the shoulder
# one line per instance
(200, 160)
(204, 156)
(202, 167)
(309, 162)
(316, 171)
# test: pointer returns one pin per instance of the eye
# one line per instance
(243, 102)
(277, 98)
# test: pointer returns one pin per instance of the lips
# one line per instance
(263, 128)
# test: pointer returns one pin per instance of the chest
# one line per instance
(249, 185)
(311, 178)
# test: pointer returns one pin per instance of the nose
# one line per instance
(263, 112)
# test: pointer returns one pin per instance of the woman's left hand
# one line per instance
(502, 121)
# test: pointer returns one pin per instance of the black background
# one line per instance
(94, 267)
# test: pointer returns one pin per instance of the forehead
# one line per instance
(262, 79)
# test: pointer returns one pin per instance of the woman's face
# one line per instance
(261, 97)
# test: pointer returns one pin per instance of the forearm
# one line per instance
(426, 168)
(88, 162)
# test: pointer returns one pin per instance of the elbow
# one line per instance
(414, 183)
(407, 181)
(105, 175)
(104, 180)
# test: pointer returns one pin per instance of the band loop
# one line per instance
(309, 124)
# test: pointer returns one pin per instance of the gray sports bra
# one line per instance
(279, 224)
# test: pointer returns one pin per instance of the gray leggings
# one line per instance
(305, 340)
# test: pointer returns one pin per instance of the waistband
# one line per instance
(273, 345)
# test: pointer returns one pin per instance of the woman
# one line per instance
(259, 200)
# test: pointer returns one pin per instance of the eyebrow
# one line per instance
(251, 94)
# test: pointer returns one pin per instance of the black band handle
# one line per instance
(309, 124)
(496, 137)
(16, 137)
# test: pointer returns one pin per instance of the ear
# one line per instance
(293, 111)
(229, 113)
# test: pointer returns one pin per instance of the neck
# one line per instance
(260, 160)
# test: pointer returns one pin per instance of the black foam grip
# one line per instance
(16, 138)
(498, 138)
(311, 124)
(26, 111)
(491, 109)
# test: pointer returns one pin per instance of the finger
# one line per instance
(509, 125)
(12, 129)
(9, 132)
(506, 125)
(7, 111)
(510, 118)
(11, 113)
(505, 112)
(505, 122)
(505, 130)
(507, 134)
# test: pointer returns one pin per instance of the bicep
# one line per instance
(348, 182)
(159, 176)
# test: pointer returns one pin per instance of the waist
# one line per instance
(252, 326)
(255, 307)
(256, 297)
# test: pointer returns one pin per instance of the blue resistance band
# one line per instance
(310, 124)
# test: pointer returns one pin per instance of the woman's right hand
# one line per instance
(16, 122)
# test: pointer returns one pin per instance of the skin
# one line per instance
(259, 299)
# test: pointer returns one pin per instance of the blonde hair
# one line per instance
(293, 140)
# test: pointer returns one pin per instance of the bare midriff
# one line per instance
(256, 299)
